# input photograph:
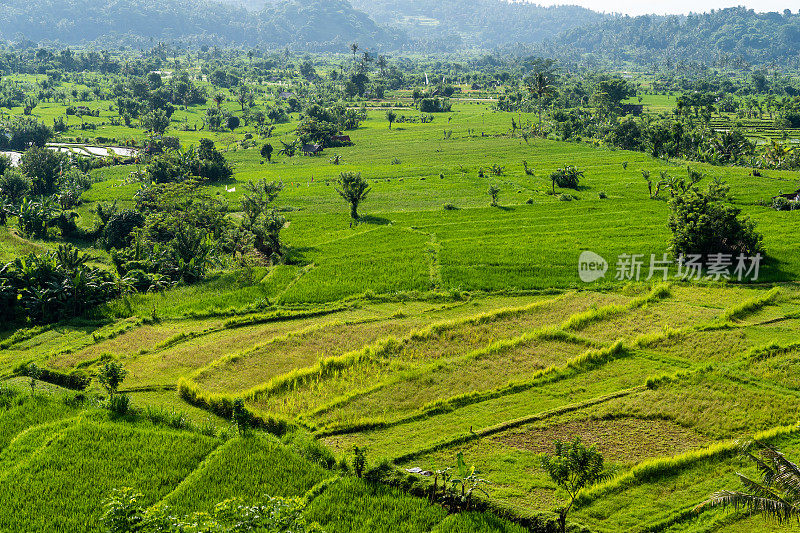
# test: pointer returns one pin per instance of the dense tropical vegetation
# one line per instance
(244, 286)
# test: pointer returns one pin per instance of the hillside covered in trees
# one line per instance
(304, 24)
(478, 23)
(724, 37)
(728, 38)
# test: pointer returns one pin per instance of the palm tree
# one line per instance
(382, 63)
(289, 149)
(354, 49)
(391, 116)
(353, 188)
(541, 86)
(218, 99)
(366, 57)
(775, 497)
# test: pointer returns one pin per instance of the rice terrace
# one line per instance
(313, 266)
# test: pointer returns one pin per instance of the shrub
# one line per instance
(494, 192)
(5, 164)
(124, 513)
(170, 142)
(780, 203)
(702, 226)
(111, 376)
(567, 177)
(434, 105)
(14, 186)
(43, 166)
(35, 217)
(602, 195)
(310, 448)
(117, 232)
(76, 380)
(119, 405)
(449, 207)
(359, 461)
(241, 417)
(212, 165)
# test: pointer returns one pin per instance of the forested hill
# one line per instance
(723, 38)
(300, 24)
(726, 38)
(477, 23)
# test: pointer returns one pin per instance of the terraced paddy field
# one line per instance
(663, 378)
(419, 333)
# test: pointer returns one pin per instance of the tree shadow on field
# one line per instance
(506, 208)
(296, 255)
(375, 221)
(773, 270)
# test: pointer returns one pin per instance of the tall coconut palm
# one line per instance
(382, 63)
(540, 86)
(354, 49)
(776, 496)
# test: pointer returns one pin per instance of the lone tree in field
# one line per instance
(776, 496)
(354, 189)
(266, 152)
(567, 177)
(703, 226)
(573, 467)
(111, 376)
(34, 373)
(391, 116)
(494, 191)
(241, 417)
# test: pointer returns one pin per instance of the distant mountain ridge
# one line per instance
(478, 23)
(727, 37)
(723, 37)
(302, 24)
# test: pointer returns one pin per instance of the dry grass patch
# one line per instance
(649, 319)
(298, 350)
(449, 378)
(714, 404)
(133, 341)
(782, 369)
(706, 346)
(165, 366)
(712, 297)
(318, 392)
(627, 440)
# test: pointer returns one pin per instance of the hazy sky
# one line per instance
(639, 7)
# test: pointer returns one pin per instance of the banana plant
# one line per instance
(469, 481)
